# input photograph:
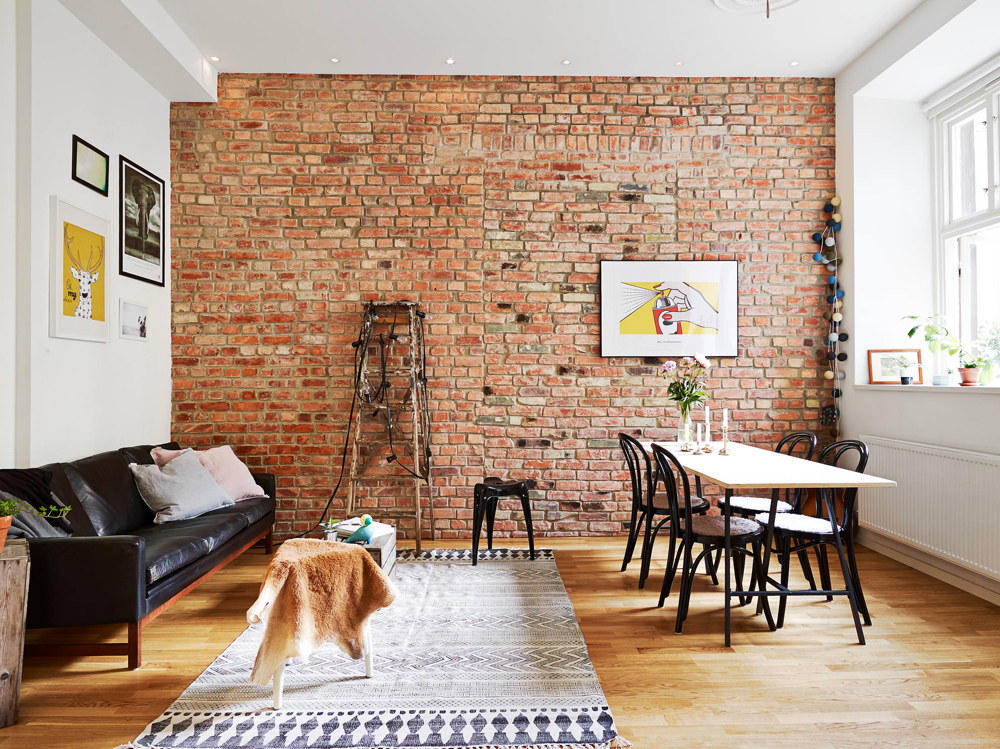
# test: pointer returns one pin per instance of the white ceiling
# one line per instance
(532, 37)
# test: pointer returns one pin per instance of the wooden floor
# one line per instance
(929, 676)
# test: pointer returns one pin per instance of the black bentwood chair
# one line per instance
(797, 533)
(798, 445)
(707, 530)
(646, 506)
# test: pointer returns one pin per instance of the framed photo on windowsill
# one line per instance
(889, 366)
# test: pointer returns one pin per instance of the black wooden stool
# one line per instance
(486, 497)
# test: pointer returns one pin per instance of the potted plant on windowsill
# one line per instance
(11, 506)
(938, 340)
(972, 368)
(902, 366)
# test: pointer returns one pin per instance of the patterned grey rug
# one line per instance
(487, 656)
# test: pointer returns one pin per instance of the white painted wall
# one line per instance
(86, 397)
(884, 176)
(8, 228)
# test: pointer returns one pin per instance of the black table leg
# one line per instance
(728, 544)
(491, 513)
(526, 509)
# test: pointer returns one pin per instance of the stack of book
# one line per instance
(343, 529)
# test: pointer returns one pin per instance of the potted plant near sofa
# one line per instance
(11, 506)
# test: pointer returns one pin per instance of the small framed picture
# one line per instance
(90, 166)
(142, 214)
(132, 320)
(895, 366)
(78, 293)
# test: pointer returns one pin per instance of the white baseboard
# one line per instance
(971, 582)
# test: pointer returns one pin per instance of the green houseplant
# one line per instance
(975, 359)
(11, 506)
(901, 365)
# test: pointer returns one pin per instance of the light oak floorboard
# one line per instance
(929, 676)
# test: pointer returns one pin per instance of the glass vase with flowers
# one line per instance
(687, 389)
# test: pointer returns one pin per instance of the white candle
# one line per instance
(698, 440)
(725, 417)
(708, 416)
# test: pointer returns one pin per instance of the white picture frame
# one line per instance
(132, 319)
(79, 274)
(669, 308)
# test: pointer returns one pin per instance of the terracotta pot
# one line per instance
(4, 526)
(969, 375)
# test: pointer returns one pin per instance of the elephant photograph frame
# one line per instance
(141, 254)
(668, 308)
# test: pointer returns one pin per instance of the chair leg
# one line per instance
(739, 563)
(671, 570)
(786, 564)
(526, 509)
(647, 549)
(758, 576)
(712, 569)
(369, 654)
(848, 582)
(491, 513)
(477, 525)
(687, 578)
(824, 569)
(807, 568)
(862, 604)
(633, 535)
(279, 685)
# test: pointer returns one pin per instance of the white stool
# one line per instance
(279, 675)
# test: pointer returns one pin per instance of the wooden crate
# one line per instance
(14, 567)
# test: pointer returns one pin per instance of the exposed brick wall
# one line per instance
(492, 201)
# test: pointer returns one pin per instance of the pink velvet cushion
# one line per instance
(227, 470)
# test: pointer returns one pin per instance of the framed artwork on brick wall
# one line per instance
(142, 217)
(669, 308)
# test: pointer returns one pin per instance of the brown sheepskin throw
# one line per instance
(316, 592)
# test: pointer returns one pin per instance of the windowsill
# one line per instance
(984, 389)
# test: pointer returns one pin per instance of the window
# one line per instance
(968, 169)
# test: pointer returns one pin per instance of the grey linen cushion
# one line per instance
(182, 489)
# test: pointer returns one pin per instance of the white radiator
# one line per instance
(947, 502)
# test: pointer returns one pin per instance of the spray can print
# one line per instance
(661, 316)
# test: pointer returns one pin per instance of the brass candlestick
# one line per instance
(725, 440)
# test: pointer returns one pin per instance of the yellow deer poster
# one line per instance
(83, 273)
(80, 281)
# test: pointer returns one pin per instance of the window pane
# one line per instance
(980, 291)
(969, 173)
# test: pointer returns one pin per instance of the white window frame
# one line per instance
(943, 115)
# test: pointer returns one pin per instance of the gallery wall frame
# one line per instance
(79, 282)
(132, 318)
(667, 308)
(142, 218)
(90, 166)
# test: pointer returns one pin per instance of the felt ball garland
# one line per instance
(832, 357)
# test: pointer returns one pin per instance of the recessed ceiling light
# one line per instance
(450, 61)
(334, 59)
(678, 63)
(794, 64)
(213, 58)
(565, 62)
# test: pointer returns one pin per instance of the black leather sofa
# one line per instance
(117, 567)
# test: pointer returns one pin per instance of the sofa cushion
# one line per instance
(171, 546)
(226, 468)
(104, 486)
(142, 454)
(182, 489)
(252, 509)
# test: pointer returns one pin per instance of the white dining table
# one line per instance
(751, 468)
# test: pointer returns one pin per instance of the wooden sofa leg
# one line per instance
(269, 542)
(134, 646)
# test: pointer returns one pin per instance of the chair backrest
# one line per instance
(834, 455)
(668, 468)
(639, 468)
(798, 445)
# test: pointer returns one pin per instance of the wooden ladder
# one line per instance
(375, 464)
